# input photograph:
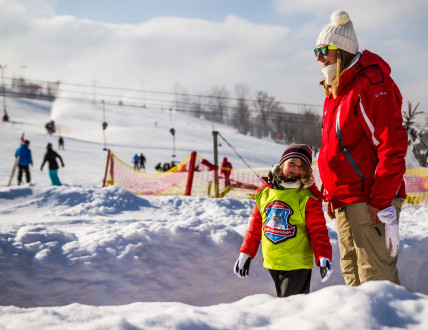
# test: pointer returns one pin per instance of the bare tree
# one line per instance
(182, 99)
(265, 106)
(240, 116)
(302, 127)
(218, 104)
(197, 107)
(310, 131)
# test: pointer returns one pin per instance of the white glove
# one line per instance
(242, 265)
(326, 268)
(392, 236)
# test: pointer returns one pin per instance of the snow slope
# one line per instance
(82, 257)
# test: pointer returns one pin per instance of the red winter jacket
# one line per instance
(226, 167)
(315, 225)
(371, 127)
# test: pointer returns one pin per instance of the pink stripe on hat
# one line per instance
(301, 151)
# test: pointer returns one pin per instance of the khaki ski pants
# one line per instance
(363, 253)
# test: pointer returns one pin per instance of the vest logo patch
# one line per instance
(276, 227)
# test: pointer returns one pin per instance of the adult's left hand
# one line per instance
(373, 213)
(392, 235)
(330, 210)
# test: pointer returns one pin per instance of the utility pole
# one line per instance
(104, 127)
(23, 67)
(216, 179)
(2, 67)
(172, 131)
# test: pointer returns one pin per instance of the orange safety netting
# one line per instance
(416, 186)
(177, 182)
(195, 176)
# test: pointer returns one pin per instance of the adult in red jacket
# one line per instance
(361, 161)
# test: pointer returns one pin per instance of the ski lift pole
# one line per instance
(216, 178)
(172, 131)
(173, 146)
(104, 127)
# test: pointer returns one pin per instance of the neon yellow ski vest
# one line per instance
(285, 240)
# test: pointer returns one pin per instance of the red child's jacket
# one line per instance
(315, 225)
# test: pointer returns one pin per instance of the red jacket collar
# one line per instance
(363, 60)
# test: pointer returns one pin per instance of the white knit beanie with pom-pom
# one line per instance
(339, 33)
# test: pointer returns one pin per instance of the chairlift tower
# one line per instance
(172, 131)
(104, 125)
(216, 178)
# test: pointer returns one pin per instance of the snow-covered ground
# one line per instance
(80, 256)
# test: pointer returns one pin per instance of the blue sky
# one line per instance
(137, 11)
(197, 45)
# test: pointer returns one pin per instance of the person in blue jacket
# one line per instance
(25, 160)
(136, 162)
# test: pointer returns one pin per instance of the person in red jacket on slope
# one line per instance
(289, 222)
(361, 161)
(226, 170)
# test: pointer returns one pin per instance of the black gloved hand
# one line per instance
(326, 268)
(242, 265)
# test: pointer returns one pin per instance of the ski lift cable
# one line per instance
(242, 158)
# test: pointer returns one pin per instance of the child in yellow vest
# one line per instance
(289, 222)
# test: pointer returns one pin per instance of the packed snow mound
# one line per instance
(109, 247)
(380, 305)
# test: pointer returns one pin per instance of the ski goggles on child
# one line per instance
(323, 50)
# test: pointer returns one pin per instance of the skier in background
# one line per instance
(5, 116)
(50, 127)
(226, 170)
(25, 160)
(158, 167)
(51, 157)
(136, 162)
(142, 160)
(166, 167)
(61, 143)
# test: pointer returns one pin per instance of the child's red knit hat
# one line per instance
(302, 151)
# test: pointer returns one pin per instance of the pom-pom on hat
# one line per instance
(339, 33)
(302, 151)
